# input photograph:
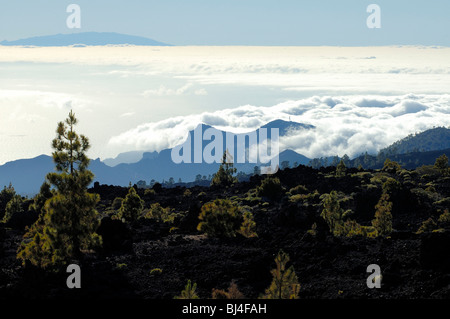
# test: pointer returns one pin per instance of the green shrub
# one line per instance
(13, 207)
(445, 202)
(391, 166)
(352, 228)
(5, 196)
(314, 196)
(223, 218)
(444, 219)
(270, 187)
(299, 189)
(131, 207)
(187, 193)
(39, 200)
(188, 292)
(383, 217)
(336, 218)
(379, 178)
(391, 186)
(251, 199)
(427, 226)
(232, 293)
(428, 172)
(248, 225)
(117, 203)
(159, 213)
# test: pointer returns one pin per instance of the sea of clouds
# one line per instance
(149, 98)
(343, 124)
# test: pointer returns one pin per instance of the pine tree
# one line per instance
(13, 207)
(341, 169)
(383, 217)
(285, 282)
(40, 199)
(69, 221)
(224, 176)
(5, 196)
(442, 163)
(332, 213)
(131, 207)
(248, 225)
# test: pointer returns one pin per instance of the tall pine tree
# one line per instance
(69, 221)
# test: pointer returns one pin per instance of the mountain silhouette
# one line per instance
(286, 127)
(26, 175)
(84, 39)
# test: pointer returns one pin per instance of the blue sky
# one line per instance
(237, 22)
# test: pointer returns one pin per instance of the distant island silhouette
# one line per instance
(84, 39)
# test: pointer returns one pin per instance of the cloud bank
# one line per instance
(344, 124)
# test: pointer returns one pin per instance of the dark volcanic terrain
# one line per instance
(328, 267)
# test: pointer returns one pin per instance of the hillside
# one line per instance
(430, 140)
(410, 160)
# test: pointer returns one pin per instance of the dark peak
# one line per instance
(285, 126)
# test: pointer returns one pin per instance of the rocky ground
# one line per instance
(413, 266)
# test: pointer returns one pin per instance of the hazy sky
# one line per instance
(238, 22)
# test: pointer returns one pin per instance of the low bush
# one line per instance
(223, 218)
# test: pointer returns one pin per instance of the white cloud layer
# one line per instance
(340, 70)
(344, 124)
(148, 98)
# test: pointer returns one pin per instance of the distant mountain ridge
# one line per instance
(127, 157)
(84, 39)
(27, 175)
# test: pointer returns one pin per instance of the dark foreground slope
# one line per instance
(413, 265)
